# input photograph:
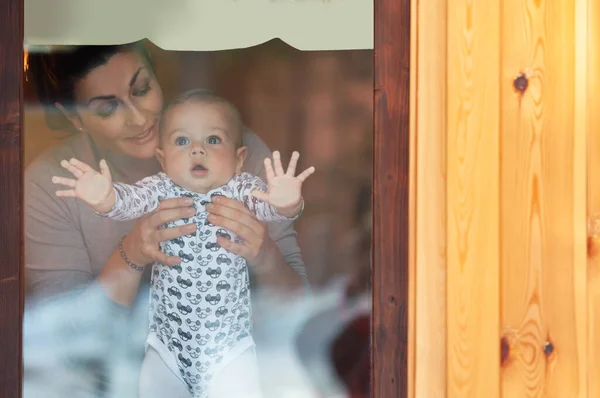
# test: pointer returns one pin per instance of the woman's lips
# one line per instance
(146, 136)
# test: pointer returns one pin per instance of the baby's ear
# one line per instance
(241, 154)
(160, 155)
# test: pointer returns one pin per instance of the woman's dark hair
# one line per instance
(53, 75)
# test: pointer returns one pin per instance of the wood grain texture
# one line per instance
(429, 110)
(412, 212)
(539, 192)
(593, 194)
(391, 198)
(579, 195)
(473, 199)
(11, 249)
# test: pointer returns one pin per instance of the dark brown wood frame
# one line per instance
(390, 198)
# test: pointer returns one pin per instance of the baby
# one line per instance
(200, 310)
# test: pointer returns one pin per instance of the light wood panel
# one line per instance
(539, 192)
(473, 198)
(593, 205)
(579, 195)
(544, 146)
(430, 208)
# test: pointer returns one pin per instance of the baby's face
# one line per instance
(198, 146)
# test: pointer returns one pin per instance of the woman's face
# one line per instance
(119, 104)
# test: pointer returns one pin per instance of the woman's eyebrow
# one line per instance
(135, 76)
(101, 98)
(110, 97)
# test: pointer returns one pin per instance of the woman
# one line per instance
(110, 96)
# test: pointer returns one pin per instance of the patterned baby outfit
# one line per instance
(200, 310)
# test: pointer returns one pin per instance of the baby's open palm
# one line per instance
(88, 185)
(284, 188)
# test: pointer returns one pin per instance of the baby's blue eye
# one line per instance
(213, 139)
(182, 141)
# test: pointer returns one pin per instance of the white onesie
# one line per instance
(200, 310)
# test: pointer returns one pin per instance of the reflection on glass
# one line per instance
(101, 320)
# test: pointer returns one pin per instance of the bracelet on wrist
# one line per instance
(127, 261)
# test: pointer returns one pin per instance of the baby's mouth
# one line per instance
(199, 170)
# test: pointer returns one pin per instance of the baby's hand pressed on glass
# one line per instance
(94, 188)
(285, 189)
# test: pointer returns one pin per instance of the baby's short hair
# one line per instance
(208, 97)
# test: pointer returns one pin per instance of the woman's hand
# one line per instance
(232, 215)
(142, 244)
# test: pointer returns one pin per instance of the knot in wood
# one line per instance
(548, 348)
(521, 83)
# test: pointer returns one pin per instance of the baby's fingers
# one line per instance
(306, 173)
(260, 195)
(104, 170)
(72, 169)
(291, 171)
(277, 164)
(70, 193)
(69, 182)
(80, 165)
(269, 171)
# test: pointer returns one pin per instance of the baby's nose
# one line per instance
(198, 150)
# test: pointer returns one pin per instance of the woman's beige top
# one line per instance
(67, 244)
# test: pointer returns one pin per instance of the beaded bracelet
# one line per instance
(129, 263)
